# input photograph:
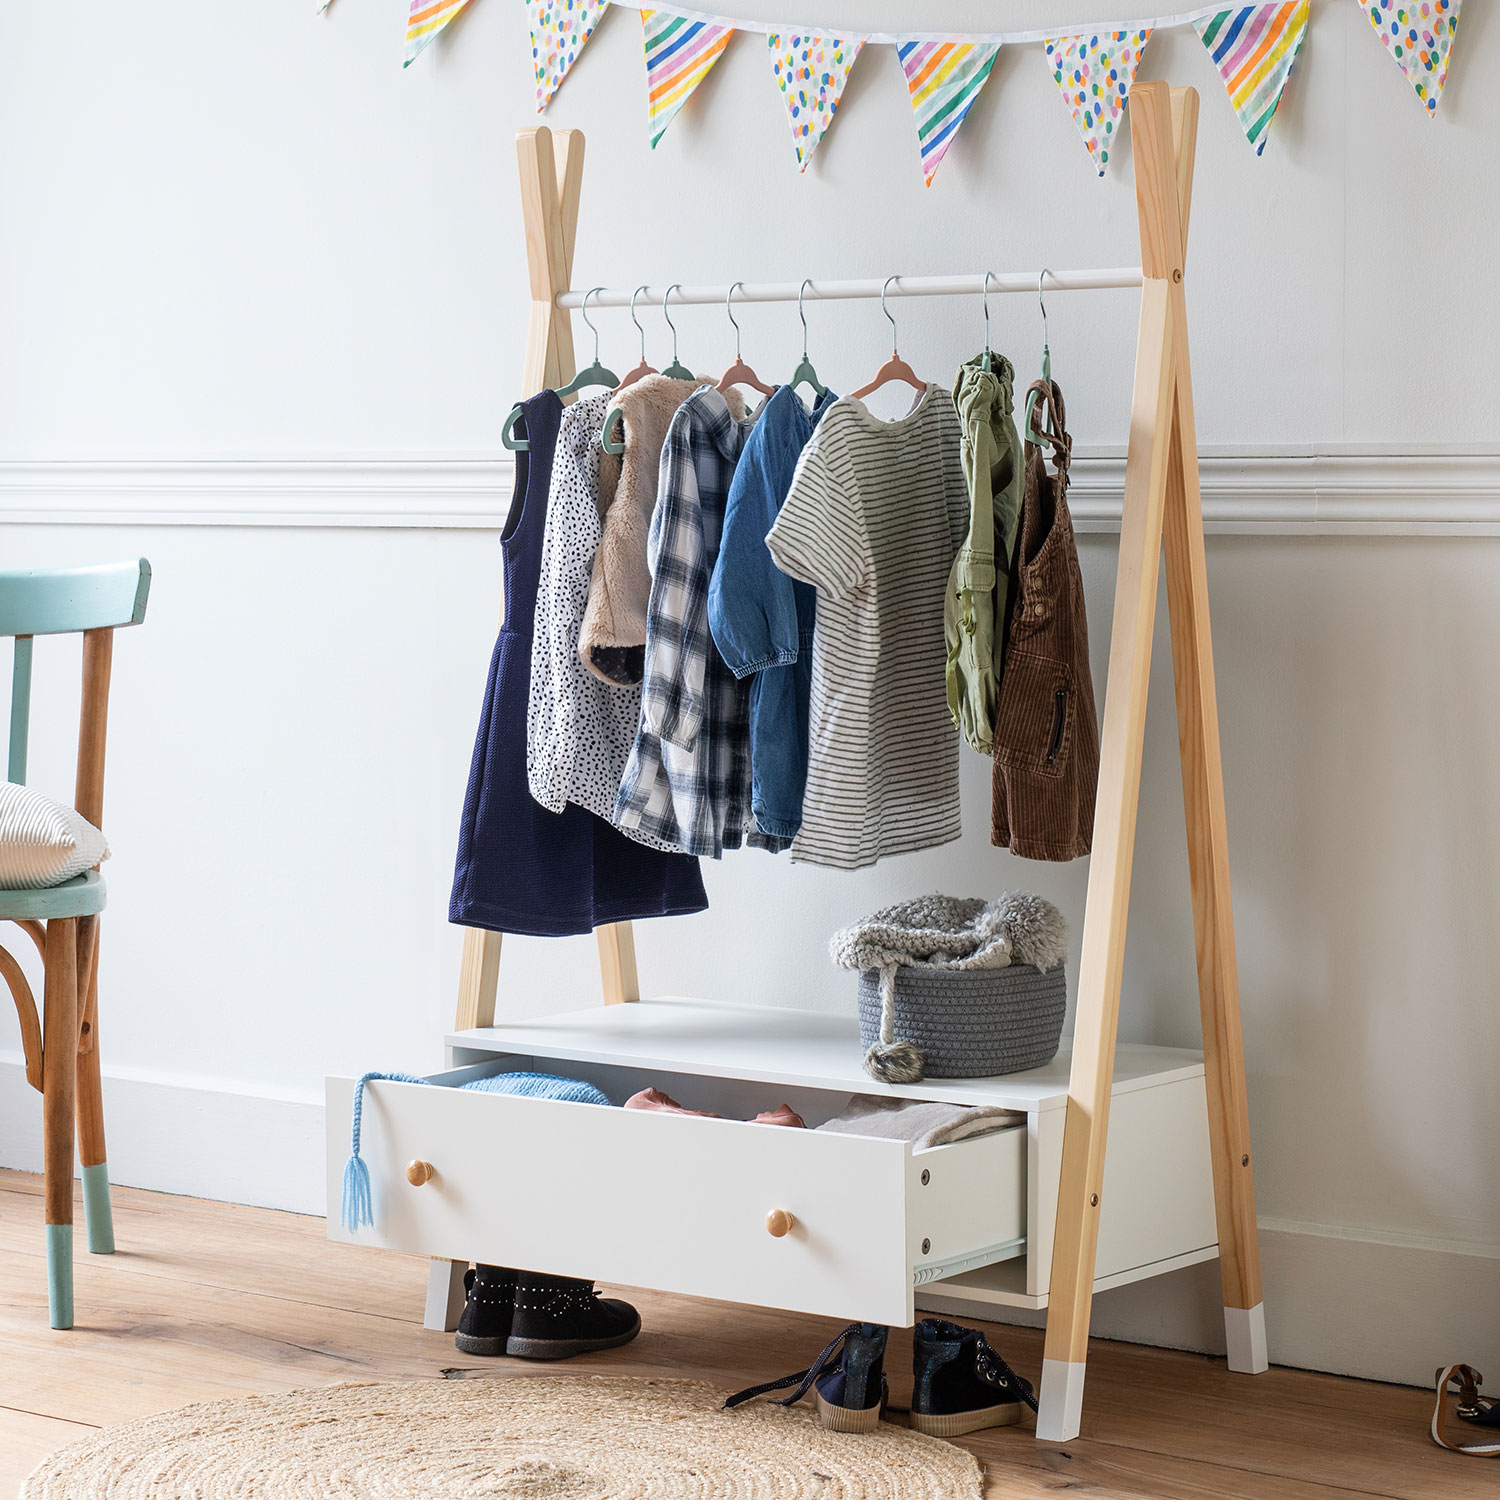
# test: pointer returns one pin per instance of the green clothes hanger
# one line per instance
(508, 438)
(596, 374)
(1028, 430)
(676, 370)
(988, 362)
(615, 421)
(804, 374)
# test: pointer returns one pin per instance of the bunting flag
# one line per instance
(679, 53)
(426, 19)
(560, 30)
(1254, 48)
(1094, 72)
(811, 72)
(944, 79)
(1420, 37)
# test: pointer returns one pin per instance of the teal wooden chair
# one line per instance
(62, 1055)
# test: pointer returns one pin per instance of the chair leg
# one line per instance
(91, 1154)
(59, 1078)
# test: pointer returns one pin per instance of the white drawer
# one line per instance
(678, 1203)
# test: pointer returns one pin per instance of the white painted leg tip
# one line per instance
(1060, 1404)
(1245, 1337)
(445, 1295)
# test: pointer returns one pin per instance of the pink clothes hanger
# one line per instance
(895, 368)
(643, 368)
(739, 373)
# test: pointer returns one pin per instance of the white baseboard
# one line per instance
(192, 1137)
(1377, 1305)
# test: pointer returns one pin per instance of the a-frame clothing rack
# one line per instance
(1161, 504)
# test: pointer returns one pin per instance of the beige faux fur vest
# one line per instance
(612, 642)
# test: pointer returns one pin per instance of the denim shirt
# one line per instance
(762, 620)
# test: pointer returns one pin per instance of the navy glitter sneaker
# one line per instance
(960, 1384)
(851, 1395)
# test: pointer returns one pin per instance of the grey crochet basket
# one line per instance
(972, 1023)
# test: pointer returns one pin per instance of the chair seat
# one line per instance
(83, 896)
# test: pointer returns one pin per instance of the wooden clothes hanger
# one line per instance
(739, 373)
(804, 374)
(895, 368)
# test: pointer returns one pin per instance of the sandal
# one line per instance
(1479, 1411)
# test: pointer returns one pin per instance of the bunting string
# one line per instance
(1253, 47)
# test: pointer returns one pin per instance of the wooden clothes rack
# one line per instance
(1162, 505)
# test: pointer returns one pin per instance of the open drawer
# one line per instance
(674, 1202)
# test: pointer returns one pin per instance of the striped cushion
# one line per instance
(42, 842)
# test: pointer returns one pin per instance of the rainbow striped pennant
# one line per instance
(944, 79)
(679, 53)
(1254, 48)
(425, 19)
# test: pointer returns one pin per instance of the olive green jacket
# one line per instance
(974, 612)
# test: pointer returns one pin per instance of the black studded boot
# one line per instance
(557, 1317)
(960, 1384)
(484, 1325)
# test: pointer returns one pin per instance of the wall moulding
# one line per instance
(1279, 492)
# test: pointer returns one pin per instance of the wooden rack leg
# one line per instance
(551, 174)
(617, 963)
(1213, 915)
(1162, 452)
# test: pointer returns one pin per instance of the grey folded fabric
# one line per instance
(923, 1122)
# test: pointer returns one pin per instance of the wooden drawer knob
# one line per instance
(418, 1172)
(779, 1222)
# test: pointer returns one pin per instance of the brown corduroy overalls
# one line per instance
(1046, 727)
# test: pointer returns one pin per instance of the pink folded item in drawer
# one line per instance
(783, 1114)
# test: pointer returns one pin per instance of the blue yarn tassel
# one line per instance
(358, 1209)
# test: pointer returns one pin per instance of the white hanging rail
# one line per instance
(1117, 278)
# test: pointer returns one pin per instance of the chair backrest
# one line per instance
(58, 601)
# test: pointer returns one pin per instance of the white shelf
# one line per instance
(798, 1048)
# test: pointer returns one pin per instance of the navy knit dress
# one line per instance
(520, 867)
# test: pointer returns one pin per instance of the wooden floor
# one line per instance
(205, 1299)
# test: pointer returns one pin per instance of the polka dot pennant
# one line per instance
(1420, 38)
(560, 29)
(1094, 72)
(810, 72)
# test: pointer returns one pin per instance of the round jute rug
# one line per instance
(560, 1437)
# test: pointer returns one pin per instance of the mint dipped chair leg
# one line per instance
(61, 1045)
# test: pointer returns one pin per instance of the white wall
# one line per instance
(240, 234)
